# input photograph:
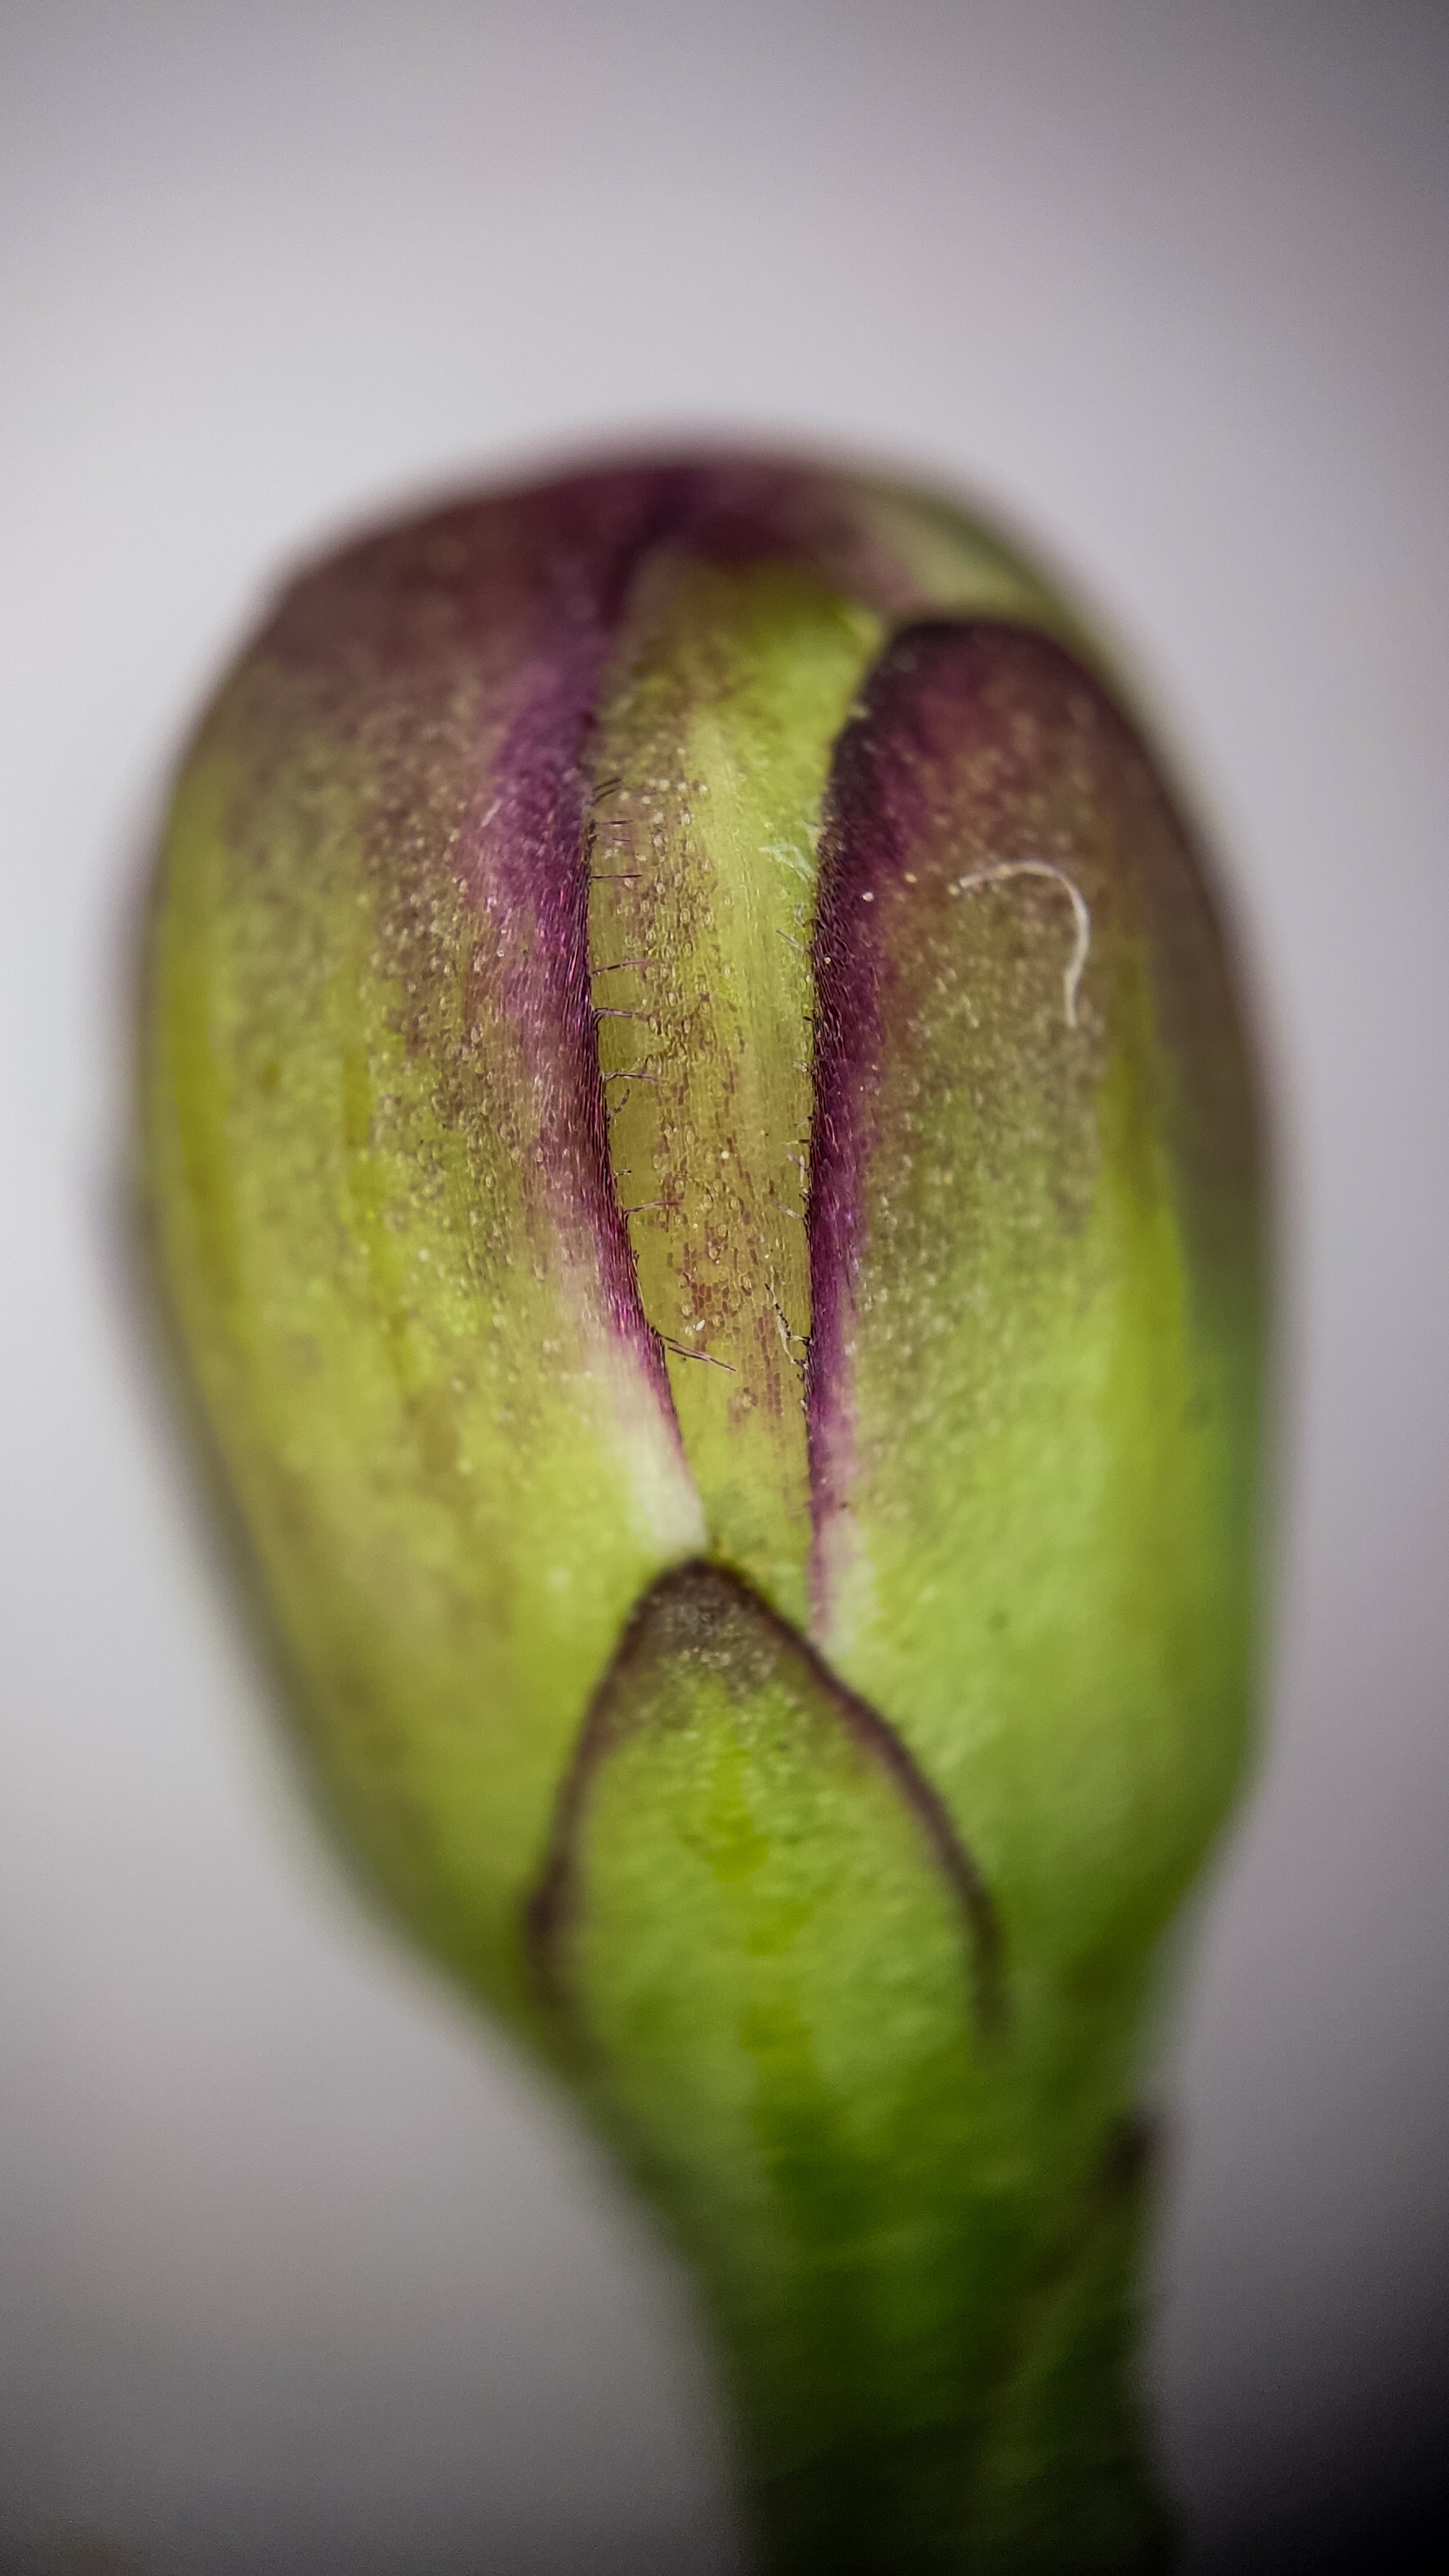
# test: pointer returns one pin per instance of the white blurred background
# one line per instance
(298, 2271)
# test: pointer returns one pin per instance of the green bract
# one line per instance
(702, 1159)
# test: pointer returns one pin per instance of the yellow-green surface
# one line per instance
(485, 1065)
(713, 749)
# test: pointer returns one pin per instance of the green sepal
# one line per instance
(456, 1474)
(1037, 1301)
(901, 2202)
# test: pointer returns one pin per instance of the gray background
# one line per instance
(299, 2271)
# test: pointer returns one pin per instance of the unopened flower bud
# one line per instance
(703, 1163)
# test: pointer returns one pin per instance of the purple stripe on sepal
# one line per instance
(527, 863)
(873, 817)
(512, 605)
(985, 752)
(438, 586)
(527, 869)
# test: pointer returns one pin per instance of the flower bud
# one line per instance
(702, 1160)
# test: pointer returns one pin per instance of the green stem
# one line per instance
(1039, 2468)
(911, 2192)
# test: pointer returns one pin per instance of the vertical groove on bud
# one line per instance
(524, 861)
(729, 685)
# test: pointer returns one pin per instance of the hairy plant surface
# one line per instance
(703, 1163)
